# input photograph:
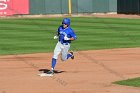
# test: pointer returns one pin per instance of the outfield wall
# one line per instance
(94, 6)
(48, 6)
(78, 6)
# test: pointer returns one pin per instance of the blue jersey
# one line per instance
(65, 32)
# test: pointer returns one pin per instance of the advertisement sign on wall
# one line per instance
(11, 7)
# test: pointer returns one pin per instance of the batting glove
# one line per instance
(55, 37)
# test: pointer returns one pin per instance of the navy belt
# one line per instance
(65, 43)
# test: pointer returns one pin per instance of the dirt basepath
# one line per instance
(90, 72)
(97, 15)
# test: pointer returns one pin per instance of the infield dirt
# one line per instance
(90, 72)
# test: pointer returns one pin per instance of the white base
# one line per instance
(45, 75)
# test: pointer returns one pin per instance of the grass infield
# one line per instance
(130, 82)
(30, 35)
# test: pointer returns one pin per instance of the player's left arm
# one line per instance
(73, 36)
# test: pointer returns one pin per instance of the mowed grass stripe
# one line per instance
(36, 35)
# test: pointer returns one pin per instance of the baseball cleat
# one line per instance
(50, 72)
(72, 55)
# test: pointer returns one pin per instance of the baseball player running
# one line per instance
(64, 35)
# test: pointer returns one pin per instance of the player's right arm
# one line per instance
(57, 33)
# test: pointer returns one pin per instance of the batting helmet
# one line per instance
(66, 21)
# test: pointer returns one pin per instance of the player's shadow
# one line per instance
(55, 71)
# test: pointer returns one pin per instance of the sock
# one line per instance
(53, 63)
(68, 56)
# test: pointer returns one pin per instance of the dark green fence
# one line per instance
(78, 6)
(128, 6)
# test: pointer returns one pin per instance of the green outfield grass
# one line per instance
(130, 82)
(36, 35)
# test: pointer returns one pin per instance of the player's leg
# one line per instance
(57, 51)
(65, 55)
(70, 55)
